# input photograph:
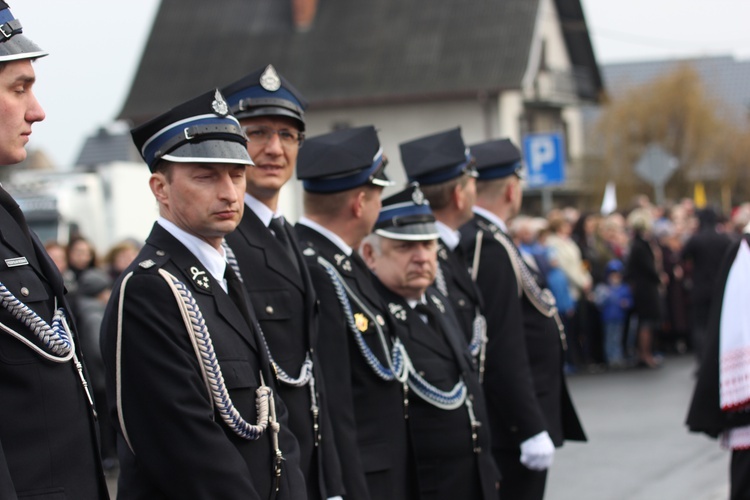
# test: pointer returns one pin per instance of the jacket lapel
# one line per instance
(202, 285)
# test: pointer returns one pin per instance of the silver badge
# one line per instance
(443, 253)
(220, 105)
(309, 252)
(417, 196)
(16, 262)
(438, 303)
(200, 278)
(397, 311)
(147, 264)
(270, 80)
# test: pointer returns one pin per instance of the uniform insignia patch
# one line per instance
(200, 278)
(270, 80)
(361, 321)
(343, 262)
(220, 105)
(438, 303)
(16, 262)
(397, 311)
(147, 264)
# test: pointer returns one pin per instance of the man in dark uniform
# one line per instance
(48, 445)
(446, 410)
(530, 409)
(444, 169)
(343, 177)
(271, 112)
(721, 399)
(191, 388)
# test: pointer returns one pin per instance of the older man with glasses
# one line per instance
(269, 261)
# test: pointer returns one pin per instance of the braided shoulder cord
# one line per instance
(396, 361)
(56, 338)
(210, 369)
(306, 371)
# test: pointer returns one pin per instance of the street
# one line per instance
(639, 447)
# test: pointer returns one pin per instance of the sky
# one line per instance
(95, 46)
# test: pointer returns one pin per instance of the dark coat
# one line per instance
(447, 465)
(181, 446)
(704, 414)
(705, 251)
(524, 382)
(370, 429)
(462, 291)
(48, 440)
(285, 305)
(643, 277)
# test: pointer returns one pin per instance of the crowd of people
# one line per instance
(631, 285)
(399, 348)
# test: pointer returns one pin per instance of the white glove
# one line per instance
(537, 452)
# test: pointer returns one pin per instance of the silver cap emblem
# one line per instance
(220, 105)
(417, 196)
(270, 80)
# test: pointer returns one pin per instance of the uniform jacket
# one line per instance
(447, 465)
(704, 414)
(370, 429)
(181, 448)
(524, 381)
(285, 305)
(461, 290)
(48, 446)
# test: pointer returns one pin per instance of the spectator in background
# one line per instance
(94, 287)
(675, 327)
(81, 256)
(614, 300)
(702, 255)
(644, 273)
(119, 257)
(59, 255)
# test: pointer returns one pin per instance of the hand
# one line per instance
(537, 452)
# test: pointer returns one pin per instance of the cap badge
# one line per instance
(270, 80)
(220, 105)
(417, 196)
(361, 321)
(200, 278)
(397, 311)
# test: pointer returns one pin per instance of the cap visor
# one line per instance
(210, 152)
(412, 232)
(269, 111)
(19, 47)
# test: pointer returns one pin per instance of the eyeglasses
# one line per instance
(262, 134)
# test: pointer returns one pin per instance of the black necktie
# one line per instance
(10, 205)
(236, 293)
(277, 226)
(425, 310)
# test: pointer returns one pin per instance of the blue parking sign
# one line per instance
(545, 159)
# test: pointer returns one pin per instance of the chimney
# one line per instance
(303, 14)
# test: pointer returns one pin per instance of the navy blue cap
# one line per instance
(341, 160)
(198, 131)
(437, 158)
(14, 45)
(407, 216)
(496, 159)
(265, 93)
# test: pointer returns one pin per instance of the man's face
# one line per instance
(203, 199)
(274, 158)
(517, 187)
(19, 109)
(406, 268)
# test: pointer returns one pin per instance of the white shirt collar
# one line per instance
(212, 259)
(450, 237)
(335, 238)
(492, 218)
(260, 209)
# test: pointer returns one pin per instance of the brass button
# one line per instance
(24, 291)
(269, 309)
